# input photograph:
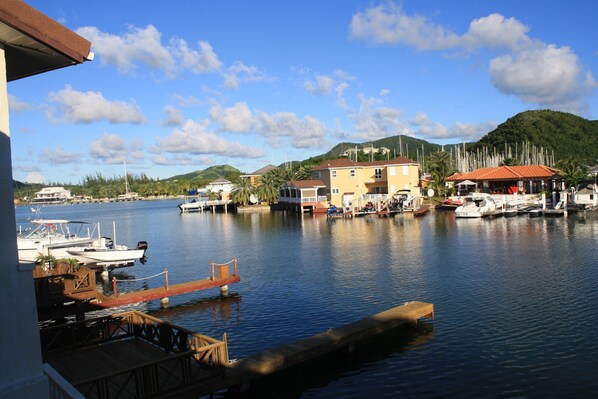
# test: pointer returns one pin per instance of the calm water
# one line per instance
(515, 299)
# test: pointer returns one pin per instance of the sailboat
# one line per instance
(127, 196)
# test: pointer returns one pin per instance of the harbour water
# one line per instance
(515, 299)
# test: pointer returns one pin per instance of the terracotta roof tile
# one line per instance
(507, 173)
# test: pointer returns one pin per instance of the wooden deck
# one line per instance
(242, 372)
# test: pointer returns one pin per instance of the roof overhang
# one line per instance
(34, 43)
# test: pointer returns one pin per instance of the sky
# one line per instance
(179, 86)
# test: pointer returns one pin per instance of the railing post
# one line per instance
(212, 263)
(166, 278)
(235, 266)
(114, 287)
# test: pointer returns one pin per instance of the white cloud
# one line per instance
(79, 107)
(241, 73)
(35, 178)
(535, 72)
(374, 121)
(340, 99)
(174, 116)
(203, 61)
(59, 156)
(308, 132)
(112, 149)
(194, 138)
(235, 119)
(16, 105)
(546, 75)
(429, 129)
(496, 31)
(387, 24)
(142, 45)
(322, 86)
(384, 92)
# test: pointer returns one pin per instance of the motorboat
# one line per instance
(105, 255)
(46, 235)
(69, 239)
(193, 205)
(476, 205)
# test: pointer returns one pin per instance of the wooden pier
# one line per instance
(78, 289)
(242, 372)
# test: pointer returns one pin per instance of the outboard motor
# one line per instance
(142, 245)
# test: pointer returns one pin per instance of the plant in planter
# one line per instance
(47, 262)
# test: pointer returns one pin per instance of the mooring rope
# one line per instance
(140, 279)
(227, 263)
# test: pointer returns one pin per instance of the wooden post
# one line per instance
(212, 263)
(235, 266)
(166, 278)
(114, 287)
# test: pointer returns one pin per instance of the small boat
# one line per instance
(477, 205)
(449, 204)
(421, 211)
(108, 256)
(535, 213)
(193, 205)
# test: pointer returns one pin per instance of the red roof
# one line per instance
(306, 184)
(507, 173)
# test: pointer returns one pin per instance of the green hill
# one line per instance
(209, 174)
(566, 134)
(410, 146)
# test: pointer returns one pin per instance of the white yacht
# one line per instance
(476, 205)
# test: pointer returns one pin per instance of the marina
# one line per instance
(514, 297)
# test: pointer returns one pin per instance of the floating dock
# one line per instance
(242, 372)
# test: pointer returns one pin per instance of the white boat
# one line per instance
(49, 235)
(63, 239)
(103, 255)
(476, 205)
(193, 205)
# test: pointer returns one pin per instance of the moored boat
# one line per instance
(476, 205)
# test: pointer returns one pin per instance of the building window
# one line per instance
(378, 173)
(352, 173)
(316, 174)
(335, 191)
(405, 170)
(333, 173)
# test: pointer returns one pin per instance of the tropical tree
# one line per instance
(440, 168)
(242, 192)
(303, 173)
(573, 171)
(268, 186)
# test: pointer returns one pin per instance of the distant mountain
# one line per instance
(212, 173)
(410, 147)
(566, 134)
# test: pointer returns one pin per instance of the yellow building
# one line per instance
(351, 183)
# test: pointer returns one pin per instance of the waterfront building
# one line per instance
(51, 195)
(346, 183)
(254, 177)
(222, 186)
(528, 179)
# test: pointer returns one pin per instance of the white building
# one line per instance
(51, 195)
(222, 186)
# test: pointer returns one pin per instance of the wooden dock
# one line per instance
(69, 292)
(242, 372)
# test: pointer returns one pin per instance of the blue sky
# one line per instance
(179, 86)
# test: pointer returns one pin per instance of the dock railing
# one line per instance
(168, 336)
(193, 356)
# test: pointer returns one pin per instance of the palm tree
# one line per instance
(440, 169)
(242, 192)
(304, 172)
(268, 186)
(574, 171)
